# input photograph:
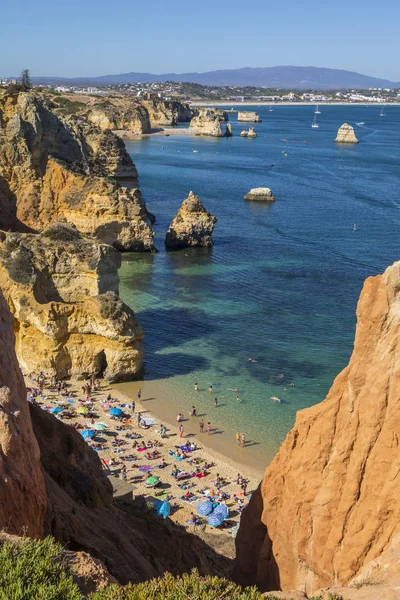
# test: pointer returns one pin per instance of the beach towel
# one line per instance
(185, 449)
(141, 449)
(146, 468)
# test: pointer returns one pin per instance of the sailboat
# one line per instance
(270, 108)
(314, 123)
(317, 111)
(382, 113)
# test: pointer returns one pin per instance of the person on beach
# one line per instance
(193, 412)
(216, 402)
(243, 438)
(139, 394)
(133, 406)
(196, 387)
(208, 427)
(201, 425)
(180, 430)
(238, 438)
(210, 389)
(237, 399)
(179, 418)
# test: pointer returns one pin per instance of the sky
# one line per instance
(99, 37)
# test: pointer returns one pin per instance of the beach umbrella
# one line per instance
(99, 426)
(215, 520)
(204, 508)
(56, 410)
(116, 412)
(164, 509)
(88, 433)
(222, 510)
(82, 410)
(152, 480)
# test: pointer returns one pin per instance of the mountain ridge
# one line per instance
(282, 77)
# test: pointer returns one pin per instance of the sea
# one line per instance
(281, 284)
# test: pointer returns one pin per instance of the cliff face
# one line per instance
(54, 166)
(167, 112)
(62, 290)
(248, 116)
(346, 135)
(192, 226)
(120, 113)
(207, 122)
(22, 489)
(329, 502)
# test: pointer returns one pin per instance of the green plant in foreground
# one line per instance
(187, 587)
(32, 569)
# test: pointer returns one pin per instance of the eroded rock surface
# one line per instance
(62, 290)
(192, 226)
(329, 502)
(249, 133)
(207, 122)
(167, 112)
(260, 195)
(248, 116)
(120, 114)
(346, 135)
(55, 166)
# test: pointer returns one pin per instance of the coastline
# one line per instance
(275, 104)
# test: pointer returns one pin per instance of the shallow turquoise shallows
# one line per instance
(282, 281)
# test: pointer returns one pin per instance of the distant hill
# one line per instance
(285, 77)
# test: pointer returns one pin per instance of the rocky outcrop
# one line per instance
(247, 116)
(55, 166)
(192, 226)
(167, 112)
(250, 133)
(62, 291)
(228, 131)
(125, 113)
(329, 502)
(260, 195)
(346, 135)
(207, 122)
(22, 490)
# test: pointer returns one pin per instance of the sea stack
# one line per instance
(247, 116)
(207, 122)
(260, 195)
(250, 133)
(228, 131)
(192, 226)
(345, 135)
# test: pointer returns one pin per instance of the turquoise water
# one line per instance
(282, 281)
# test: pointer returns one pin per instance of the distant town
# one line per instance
(194, 92)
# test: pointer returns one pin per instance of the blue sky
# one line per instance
(89, 37)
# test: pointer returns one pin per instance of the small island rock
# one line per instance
(260, 195)
(251, 133)
(228, 131)
(345, 135)
(207, 122)
(192, 226)
(248, 116)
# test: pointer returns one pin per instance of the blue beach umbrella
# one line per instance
(215, 520)
(56, 410)
(204, 508)
(116, 412)
(222, 510)
(88, 433)
(164, 509)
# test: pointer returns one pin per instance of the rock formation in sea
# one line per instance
(53, 483)
(260, 195)
(125, 113)
(207, 122)
(22, 489)
(249, 133)
(346, 135)
(329, 505)
(167, 112)
(192, 226)
(61, 166)
(62, 290)
(228, 130)
(247, 116)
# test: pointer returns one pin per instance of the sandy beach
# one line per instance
(128, 467)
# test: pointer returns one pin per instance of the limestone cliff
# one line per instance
(22, 489)
(192, 226)
(248, 116)
(346, 135)
(62, 291)
(329, 502)
(56, 166)
(167, 112)
(207, 122)
(125, 113)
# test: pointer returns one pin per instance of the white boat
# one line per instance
(317, 111)
(382, 113)
(314, 123)
(360, 123)
(270, 109)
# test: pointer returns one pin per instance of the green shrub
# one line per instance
(187, 587)
(19, 266)
(32, 569)
(61, 233)
(111, 307)
(67, 106)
